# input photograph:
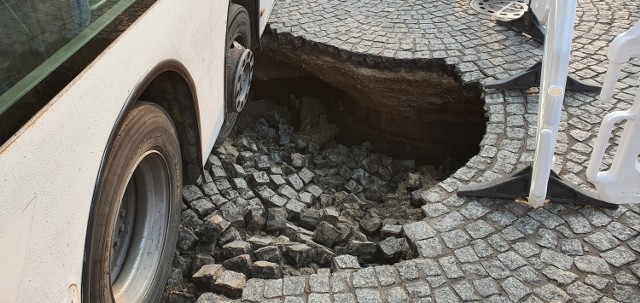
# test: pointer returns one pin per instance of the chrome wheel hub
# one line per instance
(242, 77)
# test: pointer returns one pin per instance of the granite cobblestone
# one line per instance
(467, 249)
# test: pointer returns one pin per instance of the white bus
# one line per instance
(106, 108)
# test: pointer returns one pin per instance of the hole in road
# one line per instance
(372, 138)
(326, 168)
(415, 115)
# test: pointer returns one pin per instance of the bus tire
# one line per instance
(239, 31)
(134, 220)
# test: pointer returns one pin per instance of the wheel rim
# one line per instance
(123, 230)
(242, 76)
(140, 229)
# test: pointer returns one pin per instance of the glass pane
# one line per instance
(36, 38)
(32, 31)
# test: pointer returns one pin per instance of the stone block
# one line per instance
(206, 276)
(241, 263)
(344, 262)
(266, 270)
(326, 234)
(268, 253)
(276, 219)
(230, 284)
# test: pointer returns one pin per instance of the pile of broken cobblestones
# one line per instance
(275, 202)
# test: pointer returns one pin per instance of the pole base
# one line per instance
(531, 78)
(528, 24)
(517, 185)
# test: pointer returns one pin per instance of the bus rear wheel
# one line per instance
(135, 217)
(239, 63)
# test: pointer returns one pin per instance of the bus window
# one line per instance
(44, 45)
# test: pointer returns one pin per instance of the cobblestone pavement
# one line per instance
(482, 249)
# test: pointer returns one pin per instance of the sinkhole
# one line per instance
(326, 168)
(404, 112)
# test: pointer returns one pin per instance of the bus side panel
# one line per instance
(48, 170)
(266, 7)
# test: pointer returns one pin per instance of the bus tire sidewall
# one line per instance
(238, 23)
(146, 128)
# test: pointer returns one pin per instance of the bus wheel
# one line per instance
(134, 220)
(239, 67)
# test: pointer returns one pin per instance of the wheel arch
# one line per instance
(170, 85)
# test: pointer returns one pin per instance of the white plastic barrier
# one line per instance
(555, 65)
(621, 183)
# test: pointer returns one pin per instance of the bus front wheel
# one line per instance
(134, 221)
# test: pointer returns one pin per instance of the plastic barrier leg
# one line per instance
(526, 24)
(517, 186)
(531, 78)
(529, 24)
